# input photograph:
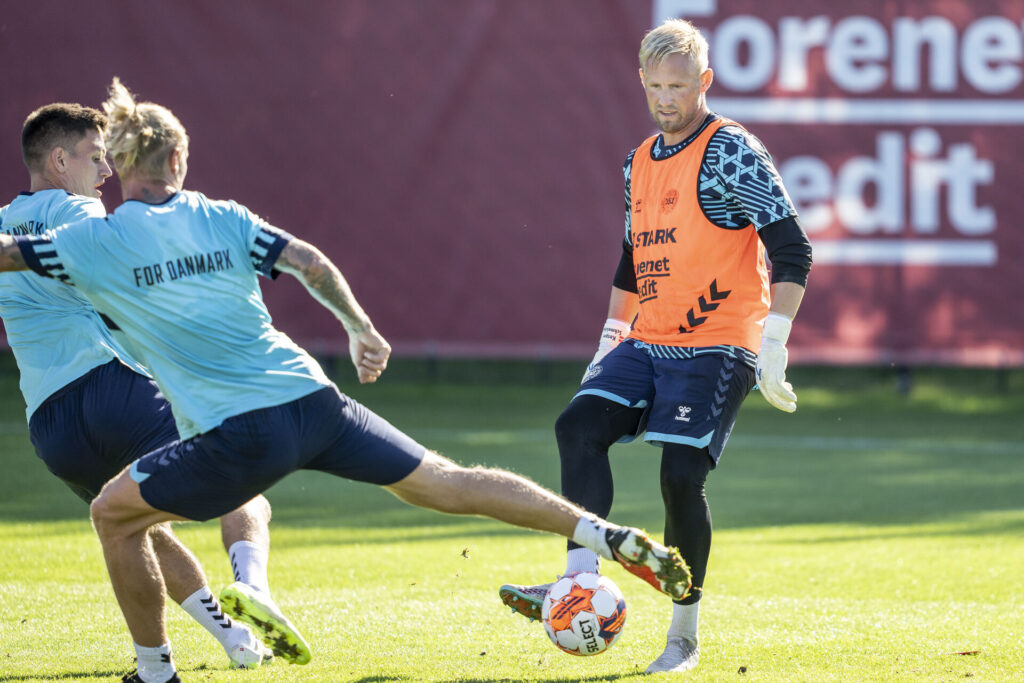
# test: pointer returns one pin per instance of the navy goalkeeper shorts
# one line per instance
(691, 400)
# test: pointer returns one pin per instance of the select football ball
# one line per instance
(584, 613)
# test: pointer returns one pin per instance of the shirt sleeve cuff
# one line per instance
(27, 245)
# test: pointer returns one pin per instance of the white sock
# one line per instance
(204, 608)
(590, 533)
(155, 665)
(684, 622)
(249, 562)
(582, 560)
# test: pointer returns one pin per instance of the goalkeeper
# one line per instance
(692, 324)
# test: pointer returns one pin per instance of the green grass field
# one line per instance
(872, 536)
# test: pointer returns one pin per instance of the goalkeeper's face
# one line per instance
(675, 95)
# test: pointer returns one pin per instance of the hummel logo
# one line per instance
(684, 411)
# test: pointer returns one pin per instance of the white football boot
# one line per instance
(680, 655)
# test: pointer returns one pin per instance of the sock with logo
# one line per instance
(154, 663)
(205, 609)
(249, 562)
(591, 533)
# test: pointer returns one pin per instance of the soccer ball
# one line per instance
(584, 613)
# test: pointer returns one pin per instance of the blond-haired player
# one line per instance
(91, 408)
(177, 272)
(693, 320)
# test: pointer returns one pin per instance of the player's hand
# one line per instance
(772, 361)
(370, 353)
(613, 333)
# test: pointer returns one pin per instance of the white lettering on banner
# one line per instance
(745, 34)
(823, 197)
(809, 110)
(903, 200)
(862, 55)
(670, 9)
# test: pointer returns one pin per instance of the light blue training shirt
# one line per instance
(180, 280)
(53, 330)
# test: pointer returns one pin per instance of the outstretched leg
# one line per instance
(439, 484)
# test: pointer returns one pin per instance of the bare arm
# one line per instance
(786, 298)
(10, 255)
(623, 305)
(323, 280)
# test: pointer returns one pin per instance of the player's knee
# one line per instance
(684, 470)
(116, 513)
(582, 427)
(258, 510)
(104, 514)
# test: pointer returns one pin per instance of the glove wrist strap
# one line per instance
(614, 331)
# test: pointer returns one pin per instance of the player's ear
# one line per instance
(177, 162)
(58, 158)
(705, 80)
(643, 82)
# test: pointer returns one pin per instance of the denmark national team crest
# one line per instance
(670, 200)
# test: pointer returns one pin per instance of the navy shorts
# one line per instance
(691, 401)
(217, 471)
(91, 429)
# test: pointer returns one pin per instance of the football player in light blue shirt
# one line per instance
(91, 408)
(177, 272)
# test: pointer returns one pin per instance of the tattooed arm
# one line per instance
(10, 255)
(369, 350)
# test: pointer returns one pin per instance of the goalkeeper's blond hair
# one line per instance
(140, 136)
(675, 37)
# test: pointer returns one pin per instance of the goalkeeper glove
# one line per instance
(614, 332)
(771, 363)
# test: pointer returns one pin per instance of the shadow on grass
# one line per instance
(564, 679)
(62, 676)
(863, 456)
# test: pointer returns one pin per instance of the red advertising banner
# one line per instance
(461, 160)
(896, 127)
